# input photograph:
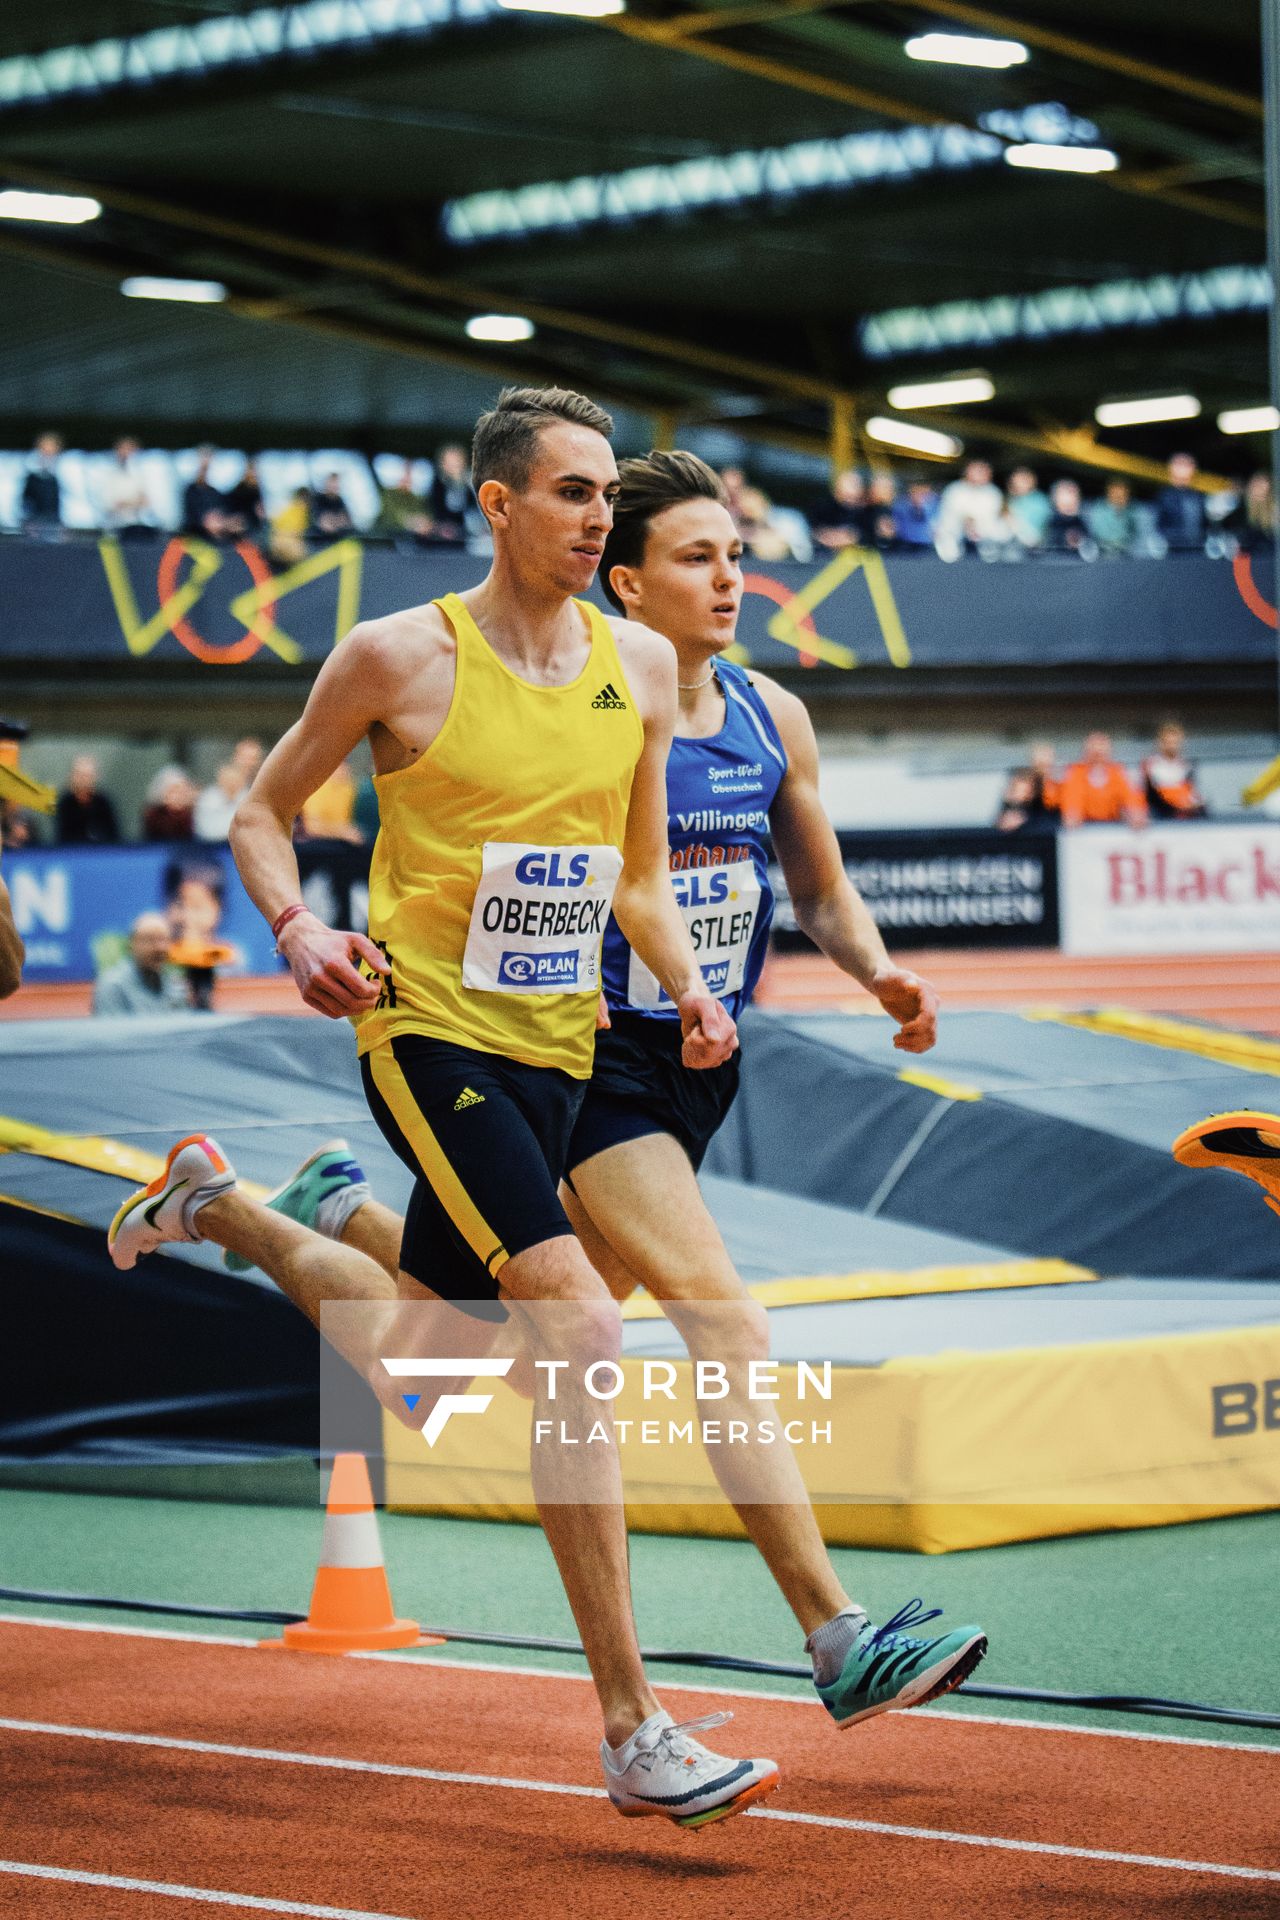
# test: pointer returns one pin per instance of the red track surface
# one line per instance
(1237, 989)
(372, 1842)
(1240, 990)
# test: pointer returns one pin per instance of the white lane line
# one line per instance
(213, 1897)
(432, 1655)
(286, 1757)
(334, 1762)
(1021, 1846)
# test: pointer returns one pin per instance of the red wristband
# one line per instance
(282, 920)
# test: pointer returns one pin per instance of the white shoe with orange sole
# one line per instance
(661, 1769)
(196, 1172)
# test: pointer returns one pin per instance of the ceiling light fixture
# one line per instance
(1142, 413)
(575, 9)
(963, 50)
(1035, 153)
(960, 390)
(1249, 420)
(143, 286)
(913, 439)
(59, 209)
(500, 327)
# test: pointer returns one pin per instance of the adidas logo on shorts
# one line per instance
(608, 699)
(468, 1098)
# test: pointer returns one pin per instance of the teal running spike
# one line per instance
(322, 1194)
(890, 1667)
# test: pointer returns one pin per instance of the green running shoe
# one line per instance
(323, 1194)
(888, 1667)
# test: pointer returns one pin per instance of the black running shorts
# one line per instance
(640, 1085)
(486, 1139)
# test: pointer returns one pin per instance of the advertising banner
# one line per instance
(74, 906)
(947, 889)
(1187, 888)
(183, 600)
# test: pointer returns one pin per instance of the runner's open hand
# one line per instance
(322, 962)
(709, 1034)
(913, 1003)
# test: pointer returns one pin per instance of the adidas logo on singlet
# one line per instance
(608, 700)
(468, 1098)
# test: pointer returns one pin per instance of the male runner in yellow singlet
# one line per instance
(520, 742)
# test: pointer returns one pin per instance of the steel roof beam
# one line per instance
(729, 367)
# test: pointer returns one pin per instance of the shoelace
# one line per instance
(676, 1737)
(894, 1634)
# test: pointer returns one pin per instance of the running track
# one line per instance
(407, 1788)
(1239, 989)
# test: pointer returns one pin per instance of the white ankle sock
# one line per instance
(830, 1643)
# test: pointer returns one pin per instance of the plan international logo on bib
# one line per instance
(539, 969)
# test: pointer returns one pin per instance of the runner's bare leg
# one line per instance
(640, 1215)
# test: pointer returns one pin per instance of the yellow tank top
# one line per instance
(499, 848)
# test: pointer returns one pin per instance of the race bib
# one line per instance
(539, 917)
(720, 905)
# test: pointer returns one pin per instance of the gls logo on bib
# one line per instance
(539, 917)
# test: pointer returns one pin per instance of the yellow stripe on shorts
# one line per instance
(389, 1079)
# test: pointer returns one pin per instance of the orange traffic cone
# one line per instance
(351, 1609)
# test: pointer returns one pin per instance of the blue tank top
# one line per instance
(719, 792)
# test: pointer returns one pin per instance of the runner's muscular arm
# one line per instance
(828, 907)
(346, 700)
(645, 902)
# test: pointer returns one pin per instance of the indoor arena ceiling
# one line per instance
(762, 214)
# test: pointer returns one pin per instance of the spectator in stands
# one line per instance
(203, 508)
(41, 490)
(1181, 520)
(244, 512)
(763, 537)
(1169, 779)
(449, 499)
(882, 494)
(971, 514)
(19, 827)
(143, 981)
(402, 511)
(1030, 800)
(1029, 506)
(123, 501)
(248, 755)
(1017, 803)
(915, 514)
(1097, 788)
(216, 806)
(1044, 765)
(288, 536)
(85, 815)
(328, 814)
(1253, 519)
(1067, 531)
(330, 514)
(733, 480)
(1112, 520)
(843, 517)
(169, 813)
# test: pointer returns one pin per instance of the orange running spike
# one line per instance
(351, 1610)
